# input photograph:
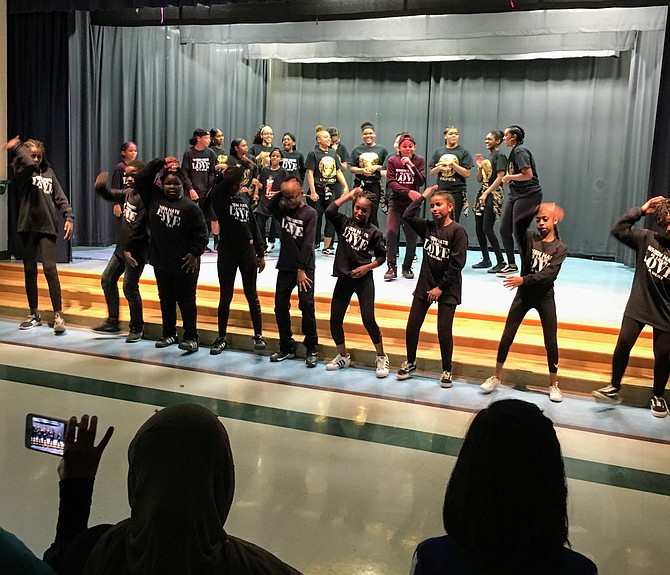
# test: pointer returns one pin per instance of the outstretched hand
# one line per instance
(81, 457)
(15, 141)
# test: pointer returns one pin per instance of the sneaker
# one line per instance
(496, 269)
(508, 269)
(271, 246)
(658, 407)
(189, 345)
(555, 394)
(134, 336)
(382, 366)
(407, 273)
(282, 355)
(166, 341)
(406, 370)
(338, 362)
(109, 326)
(33, 320)
(416, 258)
(312, 358)
(391, 273)
(446, 380)
(609, 394)
(208, 250)
(490, 384)
(59, 324)
(328, 252)
(482, 265)
(259, 343)
(218, 346)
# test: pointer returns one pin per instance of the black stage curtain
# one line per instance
(38, 98)
(659, 177)
(44, 6)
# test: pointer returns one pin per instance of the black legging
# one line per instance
(445, 320)
(516, 218)
(630, 331)
(397, 206)
(30, 242)
(261, 220)
(364, 288)
(178, 288)
(325, 199)
(485, 234)
(546, 308)
(229, 260)
(459, 201)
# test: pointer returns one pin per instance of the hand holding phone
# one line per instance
(45, 434)
(81, 456)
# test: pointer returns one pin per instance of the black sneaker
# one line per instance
(218, 346)
(312, 358)
(406, 370)
(282, 355)
(482, 265)
(609, 394)
(391, 273)
(658, 407)
(189, 345)
(109, 327)
(259, 343)
(134, 336)
(407, 273)
(508, 269)
(496, 269)
(33, 320)
(167, 341)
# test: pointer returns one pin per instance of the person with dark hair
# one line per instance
(271, 178)
(293, 161)
(367, 165)
(216, 139)
(649, 300)
(445, 247)
(521, 526)
(295, 268)
(405, 172)
(542, 255)
(241, 247)
(181, 482)
(128, 154)
(488, 205)
(338, 147)
(198, 166)
(178, 239)
(525, 194)
(452, 164)
(129, 257)
(324, 170)
(262, 144)
(41, 199)
(238, 157)
(359, 242)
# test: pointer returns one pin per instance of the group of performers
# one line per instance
(167, 209)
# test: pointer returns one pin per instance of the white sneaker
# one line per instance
(490, 384)
(338, 362)
(446, 380)
(382, 366)
(271, 246)
(555, 394)
(59, 324)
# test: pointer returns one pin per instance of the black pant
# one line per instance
(445, 321)
(326, 197)
(630, 331)
(117, 267)
(516, 218)
(485, 234)
(286, 281)
(374, 189)
(459, 200)
(364, 288)
(178, 288)
(30, 242)
(261, 220)
(230, 259)
(546, 308)
(397, 207)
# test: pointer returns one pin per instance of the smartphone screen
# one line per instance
(45, 434)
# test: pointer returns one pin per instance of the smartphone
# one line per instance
(45, 434)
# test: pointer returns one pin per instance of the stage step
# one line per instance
(585, 349)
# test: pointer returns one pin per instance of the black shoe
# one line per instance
(218, 346)
(407, 273)
(508, 270)
(282, 355)
(482, 265)
(134, 336)
(496, 268)
(109, 326)
(167, 341)
(189, 345)
(312, 358)
(391, 273)
(259, 343)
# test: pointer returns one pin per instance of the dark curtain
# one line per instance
(26, 6)
(37, 97)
